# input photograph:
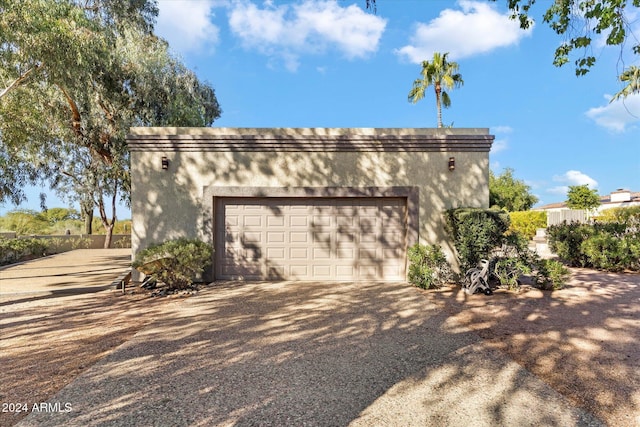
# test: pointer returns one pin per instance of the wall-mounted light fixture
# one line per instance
(165, 163)
(452, 163)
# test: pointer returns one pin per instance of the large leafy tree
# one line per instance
(582, 197)
(441, 74)
(76, 75)
(507, 192)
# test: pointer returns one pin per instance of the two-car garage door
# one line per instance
(348, 238)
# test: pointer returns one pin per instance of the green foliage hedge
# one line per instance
(177, 263)
(611, 246)
(428, 266)
(16, 250)
(527, 222)
(475, 232)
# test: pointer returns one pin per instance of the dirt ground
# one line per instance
(47, 341)
(582, 340)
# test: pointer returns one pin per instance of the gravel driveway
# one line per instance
(307, 354)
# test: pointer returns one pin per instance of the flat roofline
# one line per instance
(221, 131)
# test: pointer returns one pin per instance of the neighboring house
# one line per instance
(305, 204)
(617, 199)
(556, 212)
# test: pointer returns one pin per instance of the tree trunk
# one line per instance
(106, 223)
(87, 214)
(108, 236)
(438, 103)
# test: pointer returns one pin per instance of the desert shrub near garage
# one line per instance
(177, 263)
(475, 232)
(428, 266)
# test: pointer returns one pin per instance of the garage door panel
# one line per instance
(277, 254)
(321, 253)
(276, 236)
(322, 271)
(298, 221)
(299, 271)
(345, 253)
(299, 253)
(319, 221)
(252, 221)
(368, 272)
(311, 239)
(275, 221)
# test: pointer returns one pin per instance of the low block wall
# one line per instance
(67, 242)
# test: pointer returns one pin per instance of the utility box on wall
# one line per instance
(305, 204)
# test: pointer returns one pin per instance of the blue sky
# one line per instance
(330, 63)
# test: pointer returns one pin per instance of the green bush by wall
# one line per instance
(475, 232)
(177, 263)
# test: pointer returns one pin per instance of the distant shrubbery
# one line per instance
(612, 244)
(54, 221)
(527, 222)
(16, 250)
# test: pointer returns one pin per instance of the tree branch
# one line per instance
(75, 114)
(17, 82)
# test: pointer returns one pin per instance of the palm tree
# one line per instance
(439, 73)
(632, 76)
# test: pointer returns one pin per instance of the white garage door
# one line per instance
(311, 238)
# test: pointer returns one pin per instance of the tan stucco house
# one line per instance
(305, 204)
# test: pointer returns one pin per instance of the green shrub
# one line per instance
(175, 262)
(527, 222)
(81, 243)
(122, 243)
(509, 270)
(428, 266)
(611, 252)
(566, 239)
(621, 215)
(16, 250)
(552, 274)
(612, 246)
(475, 232)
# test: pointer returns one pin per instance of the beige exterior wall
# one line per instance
(171, 203)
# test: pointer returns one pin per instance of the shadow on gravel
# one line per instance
(582, 340)
(315, 354)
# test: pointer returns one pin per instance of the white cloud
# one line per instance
(289, 31)
(569, 178)
(616, 116)
(499, 145)
(502, 129)
(562, 189)
(477, 28)
(186, 24)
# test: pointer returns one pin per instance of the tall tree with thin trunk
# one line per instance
(441, 74)
(75, 75)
